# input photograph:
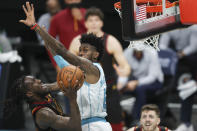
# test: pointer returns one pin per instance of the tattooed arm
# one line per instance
(91, 71)
(46, 118)
(53, 87)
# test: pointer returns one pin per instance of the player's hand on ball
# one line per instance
(70, 92)
(71, 76)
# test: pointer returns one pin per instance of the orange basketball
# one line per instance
(71, 76)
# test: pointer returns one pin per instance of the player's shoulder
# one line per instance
(131, 129)
(45, 110)
(98, 65)
(113, 40)
(77, 37)
(113, 43)
(44, 113)
(45, 116)
(111, 37)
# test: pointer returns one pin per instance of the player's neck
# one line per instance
(39, 99)
(157, 129)
(98, 33)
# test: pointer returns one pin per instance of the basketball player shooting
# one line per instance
(91, 97)
(46, 112)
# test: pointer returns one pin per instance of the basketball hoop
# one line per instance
(151, 5)
(117, 7)
(147, 43)
(154, 11)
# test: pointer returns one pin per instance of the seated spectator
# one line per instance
(149, 119)
(184, 42)
(5, 45)
(46, 111)
(7, 56)
(53, 7)
(147, 76)
(6, 52)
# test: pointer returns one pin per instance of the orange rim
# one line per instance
(117, 5)
(158, 8)
(150, 1)
(150, 9)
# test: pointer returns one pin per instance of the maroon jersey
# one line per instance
(50, 103)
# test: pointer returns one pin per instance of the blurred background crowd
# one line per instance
(166, 78)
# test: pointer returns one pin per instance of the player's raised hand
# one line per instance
(29, 12)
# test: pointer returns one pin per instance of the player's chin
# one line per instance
(42, 91)
(148, 128)
(86, 57)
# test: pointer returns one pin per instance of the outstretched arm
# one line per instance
(91, 71)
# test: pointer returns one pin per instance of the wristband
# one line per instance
(122, 80)
(34, 26)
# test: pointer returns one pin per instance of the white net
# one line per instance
(147, 43)
(152, 41)
(119, 12)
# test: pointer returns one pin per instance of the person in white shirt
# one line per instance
(184, 42)
(147, 74)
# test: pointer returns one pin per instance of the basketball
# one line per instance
(69, 76)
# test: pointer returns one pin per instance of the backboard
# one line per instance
(144, 18)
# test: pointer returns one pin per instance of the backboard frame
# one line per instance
(132, 31)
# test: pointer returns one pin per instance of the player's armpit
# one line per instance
(92, 73)
(46, 118)
(131, 129)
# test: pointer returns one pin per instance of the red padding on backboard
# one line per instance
(188, 11)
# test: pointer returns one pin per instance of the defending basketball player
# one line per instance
(149, 120)
(113, 53)
(91, 97)
(46, 112)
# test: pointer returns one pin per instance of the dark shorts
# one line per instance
(114, 111)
